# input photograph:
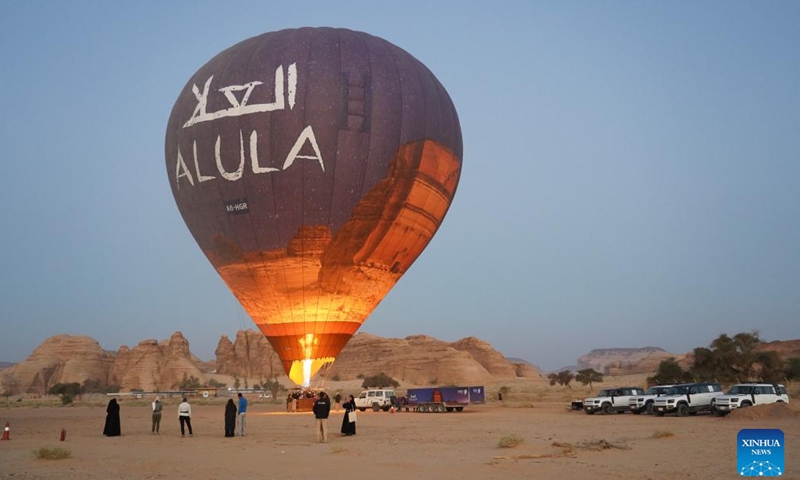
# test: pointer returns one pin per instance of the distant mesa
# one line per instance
(5, 365)
(617, 361)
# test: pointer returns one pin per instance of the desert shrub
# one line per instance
(66, 399)
(336, 378)
(510, 441)
(274, 387)
(433, 381)
(188, 383)
(52, 453)
(669, 372)
(380, 380)
(663, 434)
(64, 389)
(360, 376)
(214, 383)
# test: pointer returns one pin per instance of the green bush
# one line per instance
(66, 399)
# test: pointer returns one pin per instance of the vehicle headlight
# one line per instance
(670, 401)
(734, 400)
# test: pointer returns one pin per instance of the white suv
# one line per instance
(749, 394)
(688, 399)
(611, 400)
(377, 399)
(644, 403)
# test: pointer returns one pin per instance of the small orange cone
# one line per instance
(63, 434)
(6, 432)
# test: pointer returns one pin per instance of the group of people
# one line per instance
(113, 427)
(321, 409)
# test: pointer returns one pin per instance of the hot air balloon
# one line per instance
(312, 166)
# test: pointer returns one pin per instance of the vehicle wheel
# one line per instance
(659, 414)
(589, 412)
(449, 409)
(386, 408)
(375, 407)
(459, 409)
(746, 404)
(422, 409)
(779, 401)
(440, 408)
(683, 410)
(648, 408)
(606, 408)
(363, 409)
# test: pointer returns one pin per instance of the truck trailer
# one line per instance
(444, 399)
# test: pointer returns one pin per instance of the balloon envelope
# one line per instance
(312, 166)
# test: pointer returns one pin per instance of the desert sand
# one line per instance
(558, 443)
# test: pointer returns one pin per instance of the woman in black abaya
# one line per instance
(112, 428)
(230, 418)
(349, 420)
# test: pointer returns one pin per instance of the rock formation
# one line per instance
(493, 361)
(250, 356)
(155, 366)
(422, 360)
(59, 359)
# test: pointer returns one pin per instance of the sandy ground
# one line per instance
(279, 445)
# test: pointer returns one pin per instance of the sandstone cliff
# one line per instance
(155, 366)
(249, 356)
(422, 360)
(59, 359)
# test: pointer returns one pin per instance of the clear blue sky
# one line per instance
(631, 172)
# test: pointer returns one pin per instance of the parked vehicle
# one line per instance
(644, 403)
(444, 399)
(611, 400)
(748, 394)
(688, 399)
(376, 399)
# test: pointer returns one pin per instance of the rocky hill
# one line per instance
(59, 359)
(424, 360)
(153, 365)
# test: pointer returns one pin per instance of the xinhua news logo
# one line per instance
(760, 452)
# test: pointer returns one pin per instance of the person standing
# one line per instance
(112, 427)
(242, 414)
(349, 420)
(185, 417)
(157, 407)
(322, 408)
(230, 418)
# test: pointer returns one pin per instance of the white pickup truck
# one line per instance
(749, 394)
(376, 399)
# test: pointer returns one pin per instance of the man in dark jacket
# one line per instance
(322, 408)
